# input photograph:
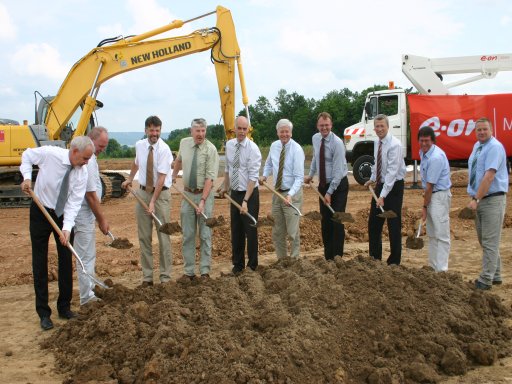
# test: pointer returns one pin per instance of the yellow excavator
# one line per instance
(70, 112)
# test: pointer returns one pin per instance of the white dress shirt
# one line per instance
(162, 160)
(53, 164)
(250, 162)
(93, 185)
(293, 172)
(393, 164)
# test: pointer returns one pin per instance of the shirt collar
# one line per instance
(430, 152)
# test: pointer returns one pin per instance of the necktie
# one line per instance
(192, 182)
(63, 194)
(279, 179)
(379, 162)
(236, 167)
(150, 185)
(323, 180)
(472, 177)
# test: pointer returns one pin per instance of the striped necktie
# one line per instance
(379, 162)
(150, 184)
(472, 177)
(236, 166)
(323, 180)
(279, 179)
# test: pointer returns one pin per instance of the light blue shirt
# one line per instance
(293, 172)
(492, 156)
(435, 169)
(393, 164)
(335, 160)
(250, 162)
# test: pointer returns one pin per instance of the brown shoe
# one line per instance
(146, 284)
(186, 278)
(205, 276)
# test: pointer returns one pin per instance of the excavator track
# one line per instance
(112, 181)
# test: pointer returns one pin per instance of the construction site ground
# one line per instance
(222, 327)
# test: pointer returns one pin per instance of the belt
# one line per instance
(439, 190)
(494, 194)
(194, 191)
(144, 188)
(237, 191)
(283, 190)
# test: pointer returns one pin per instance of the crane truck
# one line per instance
(70, 112)
(451, 116)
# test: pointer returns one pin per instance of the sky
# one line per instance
(303, 46)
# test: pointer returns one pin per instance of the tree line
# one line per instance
(344, 105)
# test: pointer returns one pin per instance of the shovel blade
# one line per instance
(387, 215)
(414, 242)
(342, 217)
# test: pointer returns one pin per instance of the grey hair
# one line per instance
(81, 143)
(284, 123)
(199, 121)
(381, 116)
(96, 132)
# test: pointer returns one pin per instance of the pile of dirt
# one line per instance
(305, 321)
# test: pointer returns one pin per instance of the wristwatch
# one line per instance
(477, 200)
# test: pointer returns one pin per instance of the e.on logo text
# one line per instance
(489, 58)
(455, 128)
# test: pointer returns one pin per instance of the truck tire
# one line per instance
(362, 168)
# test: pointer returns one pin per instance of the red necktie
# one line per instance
(323, 180)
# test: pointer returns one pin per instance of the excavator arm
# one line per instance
(83, 82)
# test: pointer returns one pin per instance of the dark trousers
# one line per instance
(333, 233)
(241, 230)
(40, 231)
(392, 202)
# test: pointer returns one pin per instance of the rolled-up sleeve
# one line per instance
(394, 158)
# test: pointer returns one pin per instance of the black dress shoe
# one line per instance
(68, 314)
(46, 323)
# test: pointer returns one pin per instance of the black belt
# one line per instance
(494, 194)
(439, 190)
(283, 190)
(237, 191)
(144, 188)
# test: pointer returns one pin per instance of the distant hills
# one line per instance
(126, 138)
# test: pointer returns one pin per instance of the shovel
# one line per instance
(415, 242)
(384, 214)
(120, 242)
(166, 228)
(59, 232)
(338, 217)
(281, 197)
(240, 208)
(210, 222)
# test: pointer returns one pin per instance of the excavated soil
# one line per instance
(121, 243)
(306, 321)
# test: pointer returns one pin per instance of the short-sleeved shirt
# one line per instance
(207, 164)
(93, 185)
(435, 169)
(492, 156)
(162, 160)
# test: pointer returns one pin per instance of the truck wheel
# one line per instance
(362, 168)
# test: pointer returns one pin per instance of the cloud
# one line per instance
(8, 29)
(39, 60)
(505, 20)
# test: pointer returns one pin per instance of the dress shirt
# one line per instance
(250, 162)
(435, 169)
(335, 160)
(393, 165)
(492, 156)
(162, 160)
(293, 172)
(207, 161)
(93, 185)
(53, 164)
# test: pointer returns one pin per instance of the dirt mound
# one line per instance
(306, 321)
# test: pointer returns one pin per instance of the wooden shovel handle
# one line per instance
(45, 212)
(144, 205)
(271, 189)
(375, 197)
(322, 198)
(190, 201)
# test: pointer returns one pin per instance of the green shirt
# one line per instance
(207, 161)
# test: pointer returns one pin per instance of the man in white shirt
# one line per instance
(285, 162)
(243, 162)
(85, 230)
(153, 160)
(60, 186)
(388, 173)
